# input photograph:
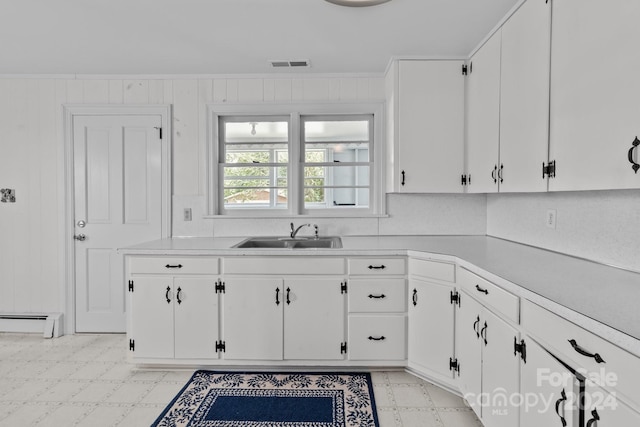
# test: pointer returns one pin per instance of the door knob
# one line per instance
(80, 237)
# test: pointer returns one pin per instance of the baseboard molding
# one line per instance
(48, 324)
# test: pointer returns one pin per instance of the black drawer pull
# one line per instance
(595, 418)
(634, 146)
(377, 267)
(403, 178)
(173, 266)
(288, 292)
(584, 352)
(414, 297)
(277, 296)
(166, 295)
(558, 402)
(381, 338)
(494, 173)
(484, 291)
(377, 296)
(475, 326)
(483, 333)
(178, 295)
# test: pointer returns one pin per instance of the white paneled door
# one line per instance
(118, 203)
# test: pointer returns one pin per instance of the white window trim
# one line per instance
(215, 111)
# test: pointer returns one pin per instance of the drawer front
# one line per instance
(490, 295)
(377, 337)
(303, 265)
(617, 370)
(432, 269)
(377, 295)
(377, 266)
(173, 265)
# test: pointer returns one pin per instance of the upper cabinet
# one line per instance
(508, 105)
(426, 126)
(595, 91)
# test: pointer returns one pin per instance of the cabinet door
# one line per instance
(152, 316)
(430, 126)
(524, 98)
(483, 116)
(500, 371)
(314, 320)
(252, 318)
(196, 318)
(468, 350)
(603, 409)
(430, 327)
(594, 94)
(549, 389)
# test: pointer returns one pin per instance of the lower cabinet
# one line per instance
(489, 368)
(173, 317)
(283, 318)
(603, 409)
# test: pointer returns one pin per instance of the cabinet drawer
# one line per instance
(376, 295)
(377, 337)
(432, 269)
(377, 266)
(283, 265)
(173, 265)
(619, 369)
(490, 295)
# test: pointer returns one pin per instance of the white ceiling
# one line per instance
(233, 36)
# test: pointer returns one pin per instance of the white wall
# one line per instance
(599, 225)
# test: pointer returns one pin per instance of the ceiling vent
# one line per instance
(298, 63)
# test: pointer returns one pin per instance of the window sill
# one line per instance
(263, 216)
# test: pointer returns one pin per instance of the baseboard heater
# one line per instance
(49, 324)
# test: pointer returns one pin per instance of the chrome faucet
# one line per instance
(294, 231)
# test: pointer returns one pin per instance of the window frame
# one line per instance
(213, 188)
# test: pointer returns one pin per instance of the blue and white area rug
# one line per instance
(232, 399)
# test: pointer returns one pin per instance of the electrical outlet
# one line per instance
(187, 214)
(551, 218)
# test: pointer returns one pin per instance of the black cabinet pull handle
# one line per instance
(493, 174)
(634, 146)
(584, 352)
(166, 295)
(377, 267)
(380, 338)
(483, 333)
(402, 183)
(178, 295)
(381, 296)
(414, 297)
(277, 296)
(500, 173)
(173, 266)
(484, 291)
(475, 326)
(595, 418)
(288, 292)
(558, 402)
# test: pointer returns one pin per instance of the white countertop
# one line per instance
(602, 299)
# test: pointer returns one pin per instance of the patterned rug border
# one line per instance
(207, 371)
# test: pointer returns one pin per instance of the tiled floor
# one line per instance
(84, 380)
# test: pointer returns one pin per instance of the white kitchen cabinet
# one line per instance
(604, 409)
(252, 318)
(426, 151)
(483, 117)
(489, 370)
(594, 94)
(550, 390)
(173, 317)
(524, 98)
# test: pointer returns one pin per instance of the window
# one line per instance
(306, 161)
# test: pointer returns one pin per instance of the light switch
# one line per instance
(187, 214)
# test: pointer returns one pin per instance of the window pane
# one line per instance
(255, 198)
(237, 132)
(336, 186)
(336, 131)
(250, 154)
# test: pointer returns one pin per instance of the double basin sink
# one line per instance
(327, 242)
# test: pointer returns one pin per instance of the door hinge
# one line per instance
(454, 365)
(132, 345)
(159, 130)
(343, 287)
(220, 287)
(130, 285)
(520, 348)
(221, 346)
(343, 348)
(463, 179)
(465, 69)
(455, 298)
(549, 169)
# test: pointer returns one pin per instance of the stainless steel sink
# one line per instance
(327, 242)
